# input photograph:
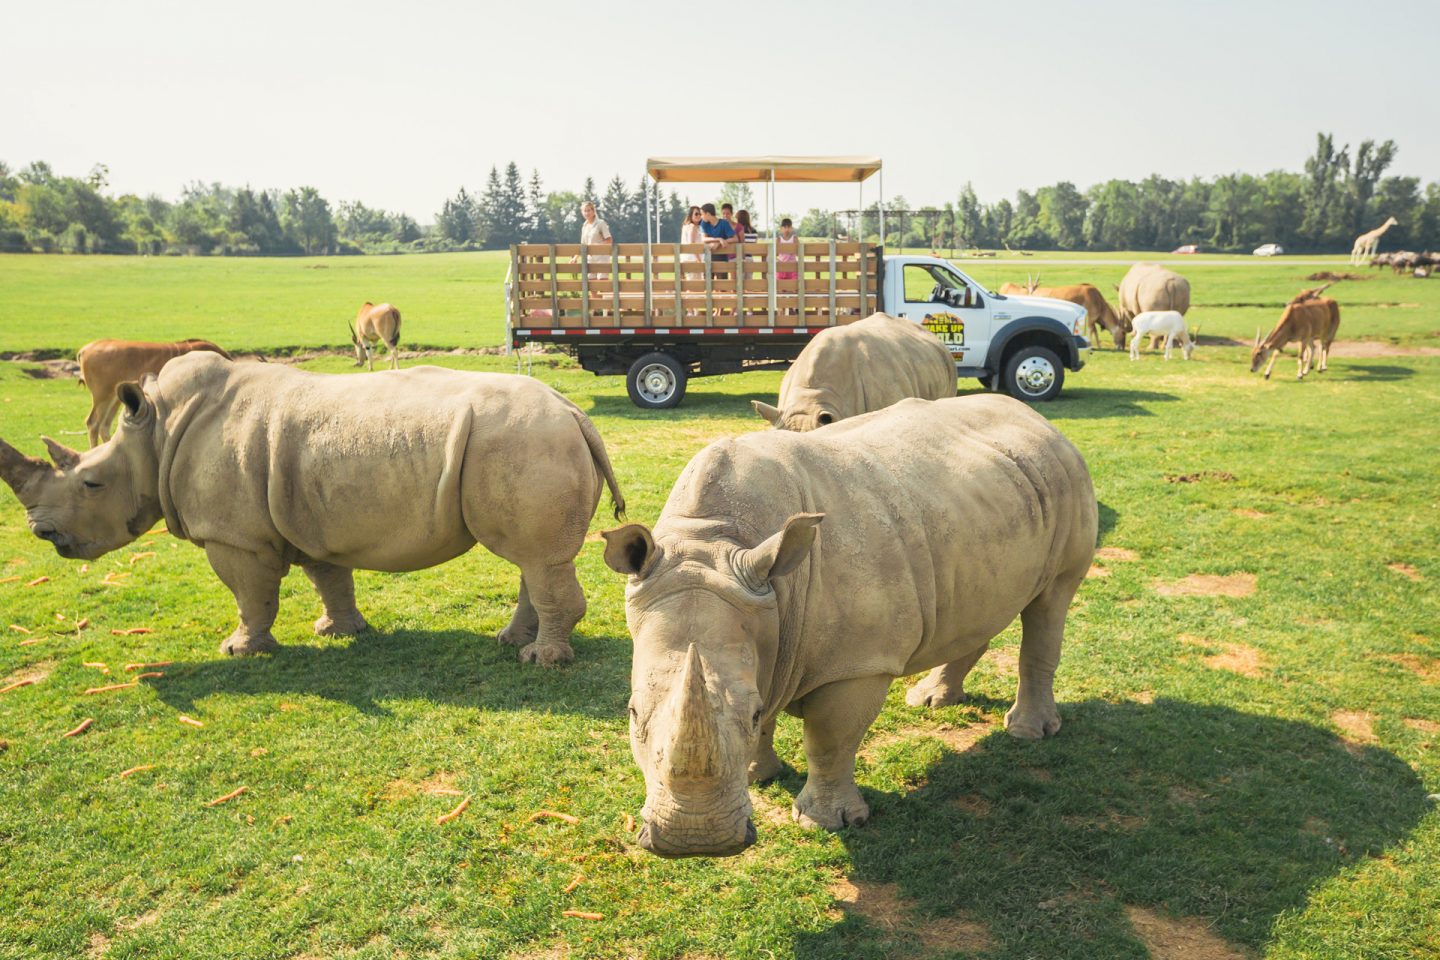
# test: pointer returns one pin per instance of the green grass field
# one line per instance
(1245, 775)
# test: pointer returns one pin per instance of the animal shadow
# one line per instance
(1222, 819)
(1370, 373)
(441, 666)
(1091, 403)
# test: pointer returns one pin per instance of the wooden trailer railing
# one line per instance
(565, 285)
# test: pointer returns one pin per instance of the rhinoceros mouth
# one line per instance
(657, 843)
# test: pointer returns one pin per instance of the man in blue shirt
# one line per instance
(718, 233)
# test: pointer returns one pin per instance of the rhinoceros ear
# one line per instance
(771, 414)
(779, 554)
(630, 549)
(138, 408)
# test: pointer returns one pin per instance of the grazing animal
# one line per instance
(1367, 242)
(1311, 323)
(1098, 312)
(265, 466)
(859, 367)
(376, 324)
(943, 521)
(105, 364)
(1167, 323)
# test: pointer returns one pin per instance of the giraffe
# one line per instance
(1366, 243)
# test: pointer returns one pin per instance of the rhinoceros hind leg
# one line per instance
(336, 586)
(766, 764)
(945, 685)
(1042, 623)
(524, 622)
(836, 718)
(254, 579)
(559, 604)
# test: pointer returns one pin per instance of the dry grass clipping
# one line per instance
(1405, 570)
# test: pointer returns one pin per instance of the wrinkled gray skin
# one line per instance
(1149, 286)
(942, 521)
(859, 368)
(265, 466)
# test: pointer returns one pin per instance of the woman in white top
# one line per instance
(690, 233)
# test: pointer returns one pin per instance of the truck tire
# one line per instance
(656, 382)
(1034, 374)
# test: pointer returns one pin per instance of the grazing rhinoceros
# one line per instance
(1149, 286)
(943, 521)
(265, 466)
(861, 367)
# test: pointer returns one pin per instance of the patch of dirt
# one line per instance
(1356, 726)
(558, 952)
(1405, 570)
(881, 905)
(1110, 819)
(1096, 572)
(1316, 826)
(1116, 554)
(1334, 277)
(53, 370)
(1249, 514)
(770, 810)
(1219, 476)
(594, 537)
(1003, 662)
(1237, 658)
(973, 804)
(98, 944)
(1038, 773)
(1188, 938)
(36, 672)
(1209, 585)
(1422, 726)
(144, 920)
(958, 739)
(1143, 696)
(1185, 796)
(440, 783)
(1426, 668)
(1378, 348)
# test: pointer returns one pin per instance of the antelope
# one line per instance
(376, 323)
(105, 364)
(1169, 324)
(1310, 322)
(1098, 313)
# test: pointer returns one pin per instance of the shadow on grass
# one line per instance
(1184, 810)
(456, 667)
(1092, 403)
(697, 404)
(1108, 518)
(1370, 373)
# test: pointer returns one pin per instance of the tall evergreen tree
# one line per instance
(538, 224)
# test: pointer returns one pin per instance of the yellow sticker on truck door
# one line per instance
(949, 328)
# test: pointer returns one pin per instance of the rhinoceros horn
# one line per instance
(16, 468)
(695, 741)
(771, 414)
(64, 457)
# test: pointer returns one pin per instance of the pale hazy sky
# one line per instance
(398, 104)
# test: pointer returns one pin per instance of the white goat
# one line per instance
(1161, 323)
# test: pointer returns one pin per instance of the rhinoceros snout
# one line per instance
(658, 843)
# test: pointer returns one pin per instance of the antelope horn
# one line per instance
(16, 468)
(354, 337)
(1257, 336)
(695, 742)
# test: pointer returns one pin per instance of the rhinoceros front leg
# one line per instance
(336, 586)
(766, 764)
(559, 603)
(946, 683)
(836, 717)
(255, 581)
(524, 622)
(1042, 623)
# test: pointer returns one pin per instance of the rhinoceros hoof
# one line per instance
(1033, 724)
(766, 769)
(512, 636)
(928, 694)
(834, 812)
(240, 644)
(547, 654)
(328, 626)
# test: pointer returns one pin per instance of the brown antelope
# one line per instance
(1098, 312)
(105, 364)
(376, 323)
(1312, 323)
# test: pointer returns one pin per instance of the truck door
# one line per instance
(948, 305)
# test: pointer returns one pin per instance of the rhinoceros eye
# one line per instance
(92, 485)
(755, 720)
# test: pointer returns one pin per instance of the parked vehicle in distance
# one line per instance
(1187, 248)
(1269, 250)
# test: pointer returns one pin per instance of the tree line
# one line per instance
(1340, 193)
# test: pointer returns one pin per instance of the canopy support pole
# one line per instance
(881, 174)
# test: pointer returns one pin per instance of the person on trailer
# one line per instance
(718, 234)
(690, 234)
(743, 230)
(786, 245)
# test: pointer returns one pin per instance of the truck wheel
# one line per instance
(1034, 374)
(656, 382)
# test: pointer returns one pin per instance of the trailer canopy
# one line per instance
(762, 169)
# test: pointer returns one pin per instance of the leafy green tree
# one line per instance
(739, 195)
(816, 224)
(1368, 166)
(1324, 203)
(307, 220)
(616, 209)
(537, 224)
(1062, 214)
(1112, 221)
(458, 221)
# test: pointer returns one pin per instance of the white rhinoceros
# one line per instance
(943, 521)
(859, 368)
(266, 466)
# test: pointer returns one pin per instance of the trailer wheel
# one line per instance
(1034, 374)
(656, 382)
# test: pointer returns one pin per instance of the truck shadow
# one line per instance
(457, 667)
(697, 404)
(1133, 816)
(1369, 373)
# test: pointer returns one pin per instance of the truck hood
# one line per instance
(1061, 310)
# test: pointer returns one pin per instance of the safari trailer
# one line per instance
(661, 313)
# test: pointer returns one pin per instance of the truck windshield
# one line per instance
(924, 280)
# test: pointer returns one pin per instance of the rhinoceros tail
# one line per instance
(602, 461)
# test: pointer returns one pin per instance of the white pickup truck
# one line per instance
(647, 312)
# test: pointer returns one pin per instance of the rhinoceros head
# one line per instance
(802, 418)
(706, 626)
(88, 504)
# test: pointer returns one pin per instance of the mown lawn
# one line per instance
(1250, 772)
(55, 304)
